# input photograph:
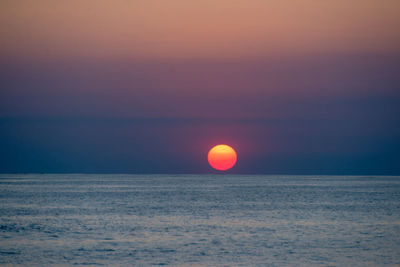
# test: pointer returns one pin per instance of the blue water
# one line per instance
(199, 220)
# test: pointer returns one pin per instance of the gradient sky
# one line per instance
(297, 87)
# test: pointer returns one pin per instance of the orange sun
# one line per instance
(222, 157)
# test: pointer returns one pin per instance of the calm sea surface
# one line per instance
(199, 220)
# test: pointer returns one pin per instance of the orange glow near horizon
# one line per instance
(222, 157)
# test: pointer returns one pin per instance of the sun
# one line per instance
(222, 157)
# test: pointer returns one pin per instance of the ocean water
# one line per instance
(199, 220)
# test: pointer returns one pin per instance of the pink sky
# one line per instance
(193, 29)
(305, 86)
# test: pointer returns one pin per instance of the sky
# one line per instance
(296, 87)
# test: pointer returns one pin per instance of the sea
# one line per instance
(199, 220)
